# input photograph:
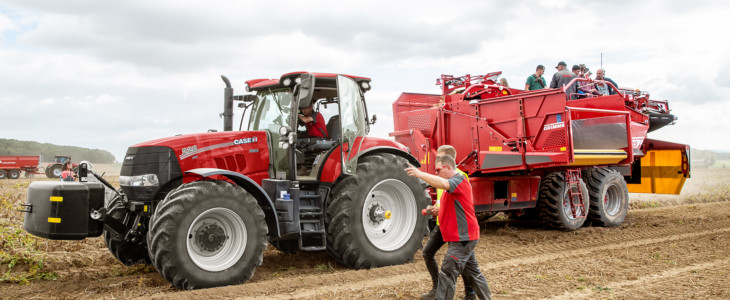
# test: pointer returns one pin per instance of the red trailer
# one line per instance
(563, 157)
(11, 166)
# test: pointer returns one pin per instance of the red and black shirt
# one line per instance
(456, 215)
(317, 128)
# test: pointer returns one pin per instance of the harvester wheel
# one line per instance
(54, 171)
(127, 252)
(14, 174)
(557, 208)
(3, 174)
(374, 217)
(207, 234)
(609, 197)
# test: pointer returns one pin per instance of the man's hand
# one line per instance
(305, 119)
(413, 171)
(434, 210)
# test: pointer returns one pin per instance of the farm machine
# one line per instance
(559, 158)
(54, 169)
(11, 166)
(202, 207)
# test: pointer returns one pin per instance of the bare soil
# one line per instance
(668, 247)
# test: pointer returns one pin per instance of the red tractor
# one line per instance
(202, 207)
(558, 157)
(54, 169)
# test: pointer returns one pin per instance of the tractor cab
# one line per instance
(276, 108)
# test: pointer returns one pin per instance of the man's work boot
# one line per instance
(470, 296)
(431, 295)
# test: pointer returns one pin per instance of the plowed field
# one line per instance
(669, 247)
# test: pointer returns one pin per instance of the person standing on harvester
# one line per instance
(436, 241)
(459, 227)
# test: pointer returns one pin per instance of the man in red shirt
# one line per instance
(459, 227)
(314, 122)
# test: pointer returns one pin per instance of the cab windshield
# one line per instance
(271, 110)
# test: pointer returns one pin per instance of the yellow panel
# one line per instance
(661, 173)
(493, 148)
(54, 220)
(563, 148)
(145, 208)
(56, 199)
(593, 157)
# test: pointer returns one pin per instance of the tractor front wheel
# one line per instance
(558, 208)
(207, 234)
(374, 217)
(609, 197)
(127, 252)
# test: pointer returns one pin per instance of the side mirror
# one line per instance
(375, 118)
(305, 90)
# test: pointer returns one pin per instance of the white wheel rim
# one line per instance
(211, 253)
(391, 233)
(612, 200)
(57, 172)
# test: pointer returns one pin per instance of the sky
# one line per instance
(110, 74)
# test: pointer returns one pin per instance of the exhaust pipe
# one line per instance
(227, 105)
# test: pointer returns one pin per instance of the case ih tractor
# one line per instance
(546, 154)
(54, 169)
(201, 207)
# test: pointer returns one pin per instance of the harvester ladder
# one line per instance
(573, 180)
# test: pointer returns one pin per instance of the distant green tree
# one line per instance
(48, 151)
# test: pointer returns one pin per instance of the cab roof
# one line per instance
(256, 84)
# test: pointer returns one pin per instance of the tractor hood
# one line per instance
(150, 167)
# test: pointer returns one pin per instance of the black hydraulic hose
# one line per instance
(103, 181)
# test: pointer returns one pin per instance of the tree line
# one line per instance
(48, 151)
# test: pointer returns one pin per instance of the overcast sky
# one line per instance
(109, 74)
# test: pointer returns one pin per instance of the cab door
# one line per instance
(352, 121)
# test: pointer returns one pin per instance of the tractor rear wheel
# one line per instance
(127, 252)
(3, 174)
(374, 219)
(609, 197)
(14, 174)
(207, 234)
(558, 209)
(54, 171)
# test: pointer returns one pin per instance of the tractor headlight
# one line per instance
(286, 81)
(139, 180)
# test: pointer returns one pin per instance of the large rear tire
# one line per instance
(127, 252)
(557, 208)
(374, 217)
(3, 174)
(54, 171)
(207, 234)
(609, 197)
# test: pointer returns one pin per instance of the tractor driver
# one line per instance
(314, 122)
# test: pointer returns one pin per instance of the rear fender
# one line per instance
(272, 220)
(333, 166)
